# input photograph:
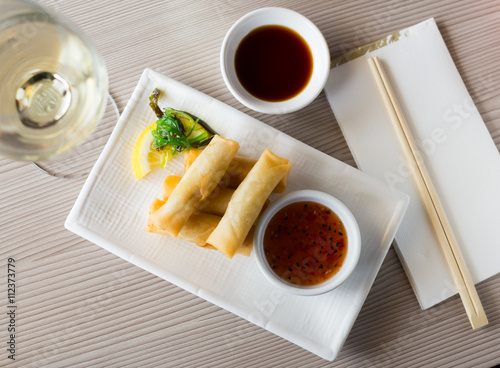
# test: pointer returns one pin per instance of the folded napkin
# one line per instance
(456, 146)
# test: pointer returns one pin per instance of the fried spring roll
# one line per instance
(197, 229)
(196, 184)
(236, 172)
(247, 202)
(216, 203)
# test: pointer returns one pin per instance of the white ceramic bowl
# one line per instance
(353, 242)
(290, 19)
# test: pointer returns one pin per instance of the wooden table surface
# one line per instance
(81, 306)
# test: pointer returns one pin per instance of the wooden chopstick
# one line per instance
(447, 240)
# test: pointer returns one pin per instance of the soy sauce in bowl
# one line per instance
(273, 63)
(283, 60)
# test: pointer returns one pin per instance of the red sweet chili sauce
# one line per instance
(305, 243)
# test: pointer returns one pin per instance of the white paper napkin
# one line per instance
(458, 151)
(111, 211)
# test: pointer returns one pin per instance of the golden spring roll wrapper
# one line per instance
(216, 203)
(196, 184)
(247, 203)
(153, 207)
(169, 185)
(190, 156)
(245, 249)
(236, 172)
(197, 229)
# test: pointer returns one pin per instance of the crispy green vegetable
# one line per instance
(176, 130)
(153, 102)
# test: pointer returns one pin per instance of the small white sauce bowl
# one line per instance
(353, 242)
(292, 20)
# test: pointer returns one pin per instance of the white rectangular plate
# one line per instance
(112, 211)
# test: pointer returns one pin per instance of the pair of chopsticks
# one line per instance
(447, 240)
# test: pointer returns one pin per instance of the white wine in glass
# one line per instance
(54, 84)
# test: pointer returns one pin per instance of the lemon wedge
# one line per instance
(168, 133)
(144, 158)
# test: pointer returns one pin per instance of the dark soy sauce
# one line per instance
(273, 63)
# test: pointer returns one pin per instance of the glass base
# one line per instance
(78, 162)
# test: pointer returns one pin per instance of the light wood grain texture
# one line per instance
(80, 306)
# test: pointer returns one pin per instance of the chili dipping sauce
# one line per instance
(305, 243)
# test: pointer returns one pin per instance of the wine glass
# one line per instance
(54, 83)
